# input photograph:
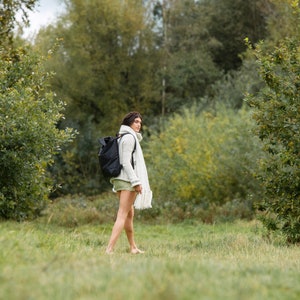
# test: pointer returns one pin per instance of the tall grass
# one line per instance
(184, 261)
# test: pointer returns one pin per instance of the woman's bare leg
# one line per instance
(130, 232)
(126, 202)
(128, 226)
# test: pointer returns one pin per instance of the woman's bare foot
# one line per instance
(136, 251)
(109, 251)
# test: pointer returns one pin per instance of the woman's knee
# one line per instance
(130, 214)
(122, 214)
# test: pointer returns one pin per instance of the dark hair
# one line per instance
(130, 117)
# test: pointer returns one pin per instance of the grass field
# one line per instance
(183, 261)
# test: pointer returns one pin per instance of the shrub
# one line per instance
(28, 134)
(204, 159)
(277, 113)
(76, 169)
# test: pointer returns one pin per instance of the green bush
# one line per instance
(76, 169)
(204, 160)
(277, 112)
(28, 134)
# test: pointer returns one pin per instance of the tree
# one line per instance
(8, 12)
(29, 113)
(201, 40)
(106, 63)
(229, 22)
(115, 57)
(277, 113)
(186, 66)
(282, 22)
(106, 66)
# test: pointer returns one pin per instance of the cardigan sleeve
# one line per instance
(126, 147)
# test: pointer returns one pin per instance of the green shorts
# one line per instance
(121, 185)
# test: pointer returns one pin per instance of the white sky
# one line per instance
(45, 12)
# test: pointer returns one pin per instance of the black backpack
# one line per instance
(109, 156)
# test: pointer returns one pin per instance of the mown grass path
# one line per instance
(184, 261)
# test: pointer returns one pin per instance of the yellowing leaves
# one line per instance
(203, 157)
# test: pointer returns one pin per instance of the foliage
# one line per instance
(282, 22)
(229, 22)
(204, 159)
(277, 113)
(202, 46)
(105, 65)
(152, 56)
(186, 65)
(190, 73)
(28, 136)
(230, 90)
(9, 9)
(76, 168)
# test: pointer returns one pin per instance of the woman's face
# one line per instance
(136, 125)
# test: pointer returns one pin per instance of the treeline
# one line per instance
(152, 56)
(198, 72)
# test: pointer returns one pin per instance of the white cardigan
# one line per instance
(126, 147)
(137, 175)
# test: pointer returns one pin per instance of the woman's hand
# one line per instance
(138, 188)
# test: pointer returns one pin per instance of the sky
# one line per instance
(45, 12)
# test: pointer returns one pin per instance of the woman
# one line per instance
(132, 184)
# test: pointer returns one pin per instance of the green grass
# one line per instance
(183, 261)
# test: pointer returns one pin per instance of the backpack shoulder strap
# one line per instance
(132, 161)
(121, 135)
